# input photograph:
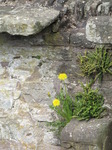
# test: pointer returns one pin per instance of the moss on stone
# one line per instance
(23, 27)
(38, 27)
(53, 38)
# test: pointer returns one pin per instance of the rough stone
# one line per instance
(94, 134)
(11, 144)
(26, 20)
(104, 8)
(91, 7)
(78, 38)
(50, 147)
(79, 10)
(29, 66)
(27, 75)
(106, 89)
(99, 29)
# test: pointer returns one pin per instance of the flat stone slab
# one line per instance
(99, 29)
(95, 134)
(25, 20)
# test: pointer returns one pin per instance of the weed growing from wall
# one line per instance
(88, 104)
(96, 64)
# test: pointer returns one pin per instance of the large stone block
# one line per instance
(99, 29)
(25, 20)
(95, 134)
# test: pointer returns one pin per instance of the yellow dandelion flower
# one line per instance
(56, 102)
(62, 76)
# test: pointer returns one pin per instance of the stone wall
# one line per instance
(45, 42)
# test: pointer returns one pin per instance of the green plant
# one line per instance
(96, 64)
(63, 106)
(37, 57)
(88, 104)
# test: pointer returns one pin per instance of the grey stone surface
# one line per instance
(91, 7)
(104, 8)
(94, 134)
(99, 29)
(98, 8)
(24, 20)
(78, 39)
(27, 74)
(29, 66)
